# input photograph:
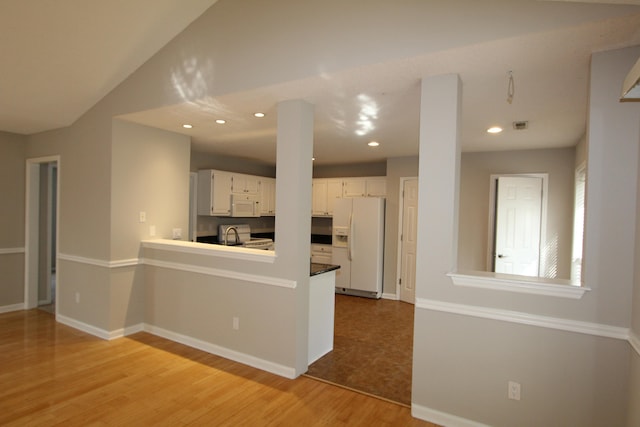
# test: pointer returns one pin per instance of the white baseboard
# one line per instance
(634, 340)
(390, 296)
(442, 418)
(12, 307)
(129, 330)
(236, 356)
(84, 327)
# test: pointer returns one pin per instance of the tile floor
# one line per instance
(372, 350)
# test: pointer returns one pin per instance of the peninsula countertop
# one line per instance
(317, 268)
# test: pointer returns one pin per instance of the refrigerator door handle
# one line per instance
(349, 237)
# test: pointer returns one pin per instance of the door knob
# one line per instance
(501, 256)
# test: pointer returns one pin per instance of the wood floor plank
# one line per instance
(53, 375)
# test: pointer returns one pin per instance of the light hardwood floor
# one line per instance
(54, 375)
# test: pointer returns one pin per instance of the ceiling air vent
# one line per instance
(521, 125)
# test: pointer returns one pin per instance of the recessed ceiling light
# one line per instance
(494, 129)
(187, 126)
(221, 122)
(373, 144)
(258, 114)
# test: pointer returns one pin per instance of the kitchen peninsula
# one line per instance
(187, 281)
(321, 309)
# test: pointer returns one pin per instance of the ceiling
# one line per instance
(379, 102)
(60, 57)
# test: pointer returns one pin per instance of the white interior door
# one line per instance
(518, 216)
(408, 240)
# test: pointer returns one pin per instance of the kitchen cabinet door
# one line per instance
(246, 184)
(376, 187)
(354, 187)
(321, 254)
(319, 197)
(267, 196)
(324, 193)
(334, 191)
(214, 193)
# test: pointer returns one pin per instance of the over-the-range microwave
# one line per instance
(245, 205)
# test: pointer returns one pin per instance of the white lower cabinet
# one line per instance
(320, 253)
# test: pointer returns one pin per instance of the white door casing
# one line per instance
(32, 232)
(518, 225)
(408, 239)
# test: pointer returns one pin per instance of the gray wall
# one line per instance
(471, 357)
(348, 170)
(475, 172)
(447, 345)
(634, 377)
(12, 165)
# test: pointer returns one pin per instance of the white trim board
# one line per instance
(229, 274)
(525, 318)
(12, 307)
(100, 262)
(236, 356)
(441, 418)
(634, 340)
(534, 286)
(10, 251)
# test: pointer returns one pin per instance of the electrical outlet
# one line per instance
(152, 231)
(77, 297)
(236, 323)
(514, 390)
(177, 233)
(143, 216)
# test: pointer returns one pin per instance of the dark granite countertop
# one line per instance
(317, 268)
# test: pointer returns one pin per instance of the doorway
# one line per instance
(41, 233)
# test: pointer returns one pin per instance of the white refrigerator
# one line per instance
(358, 245)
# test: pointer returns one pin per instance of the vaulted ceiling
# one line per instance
(61, 57)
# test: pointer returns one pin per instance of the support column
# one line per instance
(293, 211)
(438, 181)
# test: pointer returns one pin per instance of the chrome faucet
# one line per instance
(226, 234)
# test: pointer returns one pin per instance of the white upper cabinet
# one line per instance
(324, 193)
(375, 186)
(245, 184)
(267, 196)
(214, 193)
(354, 187)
